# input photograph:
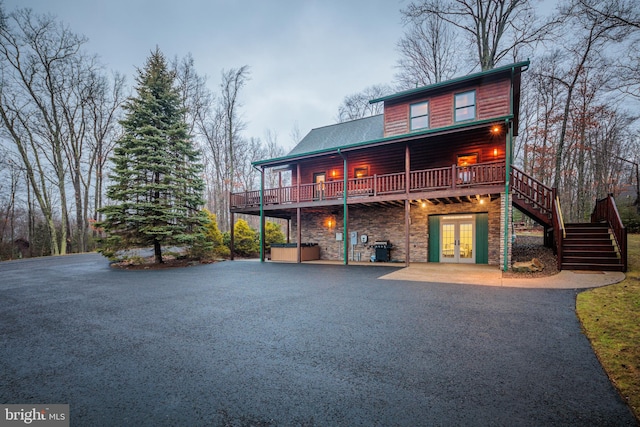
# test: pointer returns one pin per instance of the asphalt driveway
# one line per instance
(250, 344)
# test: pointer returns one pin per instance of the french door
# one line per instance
(319, 179)
(457, 239)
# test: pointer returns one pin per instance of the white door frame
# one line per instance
(458, 239)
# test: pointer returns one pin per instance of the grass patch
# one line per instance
(610, 317)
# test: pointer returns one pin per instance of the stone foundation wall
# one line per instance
(388, 223)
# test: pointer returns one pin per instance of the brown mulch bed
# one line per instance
(150, 264)
(528, 247)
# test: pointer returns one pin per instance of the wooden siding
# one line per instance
(441, 110)
(443, 151)
(425, 153)
(396, 119)
(492, 100)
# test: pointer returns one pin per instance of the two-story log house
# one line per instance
(432, 176)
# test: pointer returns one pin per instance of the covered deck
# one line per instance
(431, 184)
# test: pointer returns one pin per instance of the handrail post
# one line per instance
(453, 176)
(375, 184)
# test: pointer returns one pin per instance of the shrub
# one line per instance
(246, 241)
(272, 234)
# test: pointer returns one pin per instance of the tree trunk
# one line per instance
(157, 251)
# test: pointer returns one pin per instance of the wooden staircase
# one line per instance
(599, 245)
(589, 246)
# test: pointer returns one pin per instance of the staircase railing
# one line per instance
(559, 232)
(606, 210)
(533, 191)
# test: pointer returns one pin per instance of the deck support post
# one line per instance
(507, 175)
(407, 233)
(345, 210)
(231, 235)
(262, 240)
(407, 205)
(299, 237)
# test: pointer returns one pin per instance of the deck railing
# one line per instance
(606, 210)
(378, 185)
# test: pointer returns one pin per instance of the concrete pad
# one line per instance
(490, 275)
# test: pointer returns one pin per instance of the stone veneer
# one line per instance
(388, 223)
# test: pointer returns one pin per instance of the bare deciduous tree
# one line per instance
(428, 52)
(590, 35)
(495, 27)
(35, 54)
(357, 106)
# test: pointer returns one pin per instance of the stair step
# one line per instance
(586, 225)
(588, 260)
(589, 235)
(592, 267)
(587, 253)
(586, 244)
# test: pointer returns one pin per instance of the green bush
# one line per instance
(272, 234)
(210, 244)
(630, 218)
(246, 239)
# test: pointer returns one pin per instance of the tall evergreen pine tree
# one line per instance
(156, 189)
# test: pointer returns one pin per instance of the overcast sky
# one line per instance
(305, 55)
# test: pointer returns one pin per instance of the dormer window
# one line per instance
(420, 115)
(465, 106)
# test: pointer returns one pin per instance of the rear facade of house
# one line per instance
(429, 180)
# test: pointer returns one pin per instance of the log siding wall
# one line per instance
(492, 100)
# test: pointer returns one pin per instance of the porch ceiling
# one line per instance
(468, 195)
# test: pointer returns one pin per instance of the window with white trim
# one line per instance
(465, 106)
(419, 115)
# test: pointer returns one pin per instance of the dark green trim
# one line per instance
(453, 82)
(262, 240)
(482, 238)
(434, 238)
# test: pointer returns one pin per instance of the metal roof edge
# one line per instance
(451, 82)
(412, 135)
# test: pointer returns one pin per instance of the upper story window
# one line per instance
(420, 115)
(465, 106)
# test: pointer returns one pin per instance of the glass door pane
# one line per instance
(466, 241)
(448, 242)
